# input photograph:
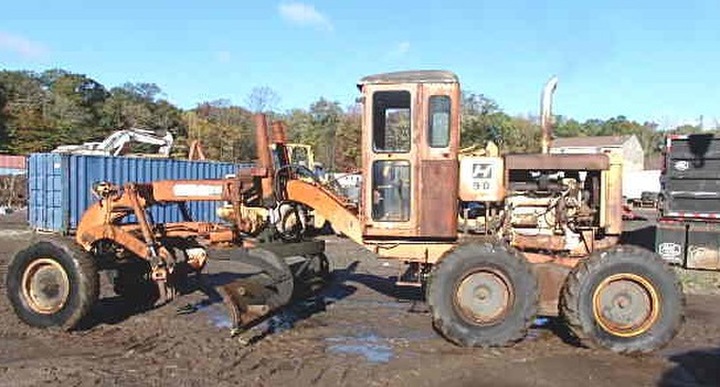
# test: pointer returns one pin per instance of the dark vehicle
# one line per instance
(688, 231)
(648, 199)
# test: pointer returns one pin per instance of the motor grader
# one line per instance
(554, 250)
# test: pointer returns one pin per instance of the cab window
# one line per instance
(392, 118)
(439, 121)
(391, 191)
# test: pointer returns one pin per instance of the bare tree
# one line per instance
(262, 99)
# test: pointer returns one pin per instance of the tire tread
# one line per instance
(570, 297)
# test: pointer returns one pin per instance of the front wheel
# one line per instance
(52, 283)
(483, 295)
(625, 299)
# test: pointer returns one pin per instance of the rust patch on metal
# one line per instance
(262, 147)
(438, 212)
(245, 301)
(278, 132)
(539, 242)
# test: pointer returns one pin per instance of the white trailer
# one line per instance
(637, 182)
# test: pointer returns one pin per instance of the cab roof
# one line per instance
(412, 76)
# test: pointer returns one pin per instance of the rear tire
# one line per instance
(483, 296)
(626, 299)
(52, 283)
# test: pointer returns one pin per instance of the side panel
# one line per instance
(671, 242)
(482, 179)
(703, 247)
(438, 212)
(695, 245)
(611, 207)
(691, 178)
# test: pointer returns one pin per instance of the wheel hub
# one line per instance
(45, 286)
(484, 296)
(626, 305)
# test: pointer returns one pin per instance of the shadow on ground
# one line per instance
(693, 368)
(116, 309)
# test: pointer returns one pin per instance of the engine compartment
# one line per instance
(550, 210)
(556, 204)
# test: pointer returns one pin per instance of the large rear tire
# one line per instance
(52, 283)
(483, 295)
(625, 299)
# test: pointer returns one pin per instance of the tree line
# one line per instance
(41, 110)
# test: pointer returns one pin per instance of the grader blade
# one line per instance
(247, 302)
(274, 274)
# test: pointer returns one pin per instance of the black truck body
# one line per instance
(688, 230)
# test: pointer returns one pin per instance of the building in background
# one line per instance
(12, 165)
(636, 178)
(628, 146)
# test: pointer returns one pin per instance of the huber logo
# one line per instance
(482, 171)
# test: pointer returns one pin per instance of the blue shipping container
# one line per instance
(59, 186)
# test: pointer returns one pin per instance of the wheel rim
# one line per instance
(626, 305)
(484, 296)
(45, 286)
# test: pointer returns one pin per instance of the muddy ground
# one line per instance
(356, 332)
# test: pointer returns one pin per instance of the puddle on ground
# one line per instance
(373, 348)
(216, 314)
(282, 320)
(220, 320)
(361, 303)
(541, 321)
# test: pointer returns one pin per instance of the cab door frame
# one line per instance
(374, 228)
(438, 167)
(434, 171)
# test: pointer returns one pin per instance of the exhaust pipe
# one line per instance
(546, 113)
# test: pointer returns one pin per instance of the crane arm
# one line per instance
(114, 143)
(327, 205)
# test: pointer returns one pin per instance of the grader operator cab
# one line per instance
(556, 223)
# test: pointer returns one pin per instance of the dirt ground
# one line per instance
(356, 332)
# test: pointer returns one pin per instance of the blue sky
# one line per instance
(649, 60)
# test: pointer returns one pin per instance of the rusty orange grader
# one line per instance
(555, 223)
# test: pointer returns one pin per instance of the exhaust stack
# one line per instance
(546, 113)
